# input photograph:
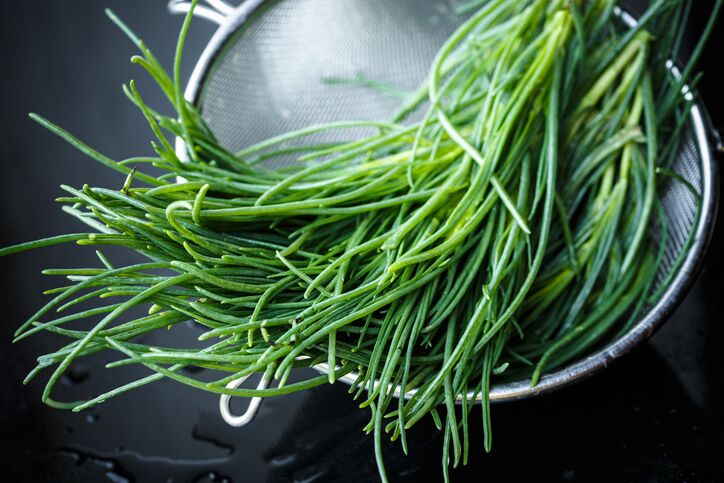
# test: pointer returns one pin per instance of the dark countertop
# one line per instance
(655, 416)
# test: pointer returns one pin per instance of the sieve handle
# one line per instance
(251, 411)
(216, 11)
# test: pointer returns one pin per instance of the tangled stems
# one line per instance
(502, 236)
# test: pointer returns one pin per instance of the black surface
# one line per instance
(657, 415)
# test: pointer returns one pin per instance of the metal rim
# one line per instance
(601, 359)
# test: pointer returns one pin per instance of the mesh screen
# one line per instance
(271, 77)
(679, 204)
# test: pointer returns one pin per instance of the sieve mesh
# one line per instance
(268, 78)
(679, 204)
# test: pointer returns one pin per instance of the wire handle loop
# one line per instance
(216, 11)
(251, 411)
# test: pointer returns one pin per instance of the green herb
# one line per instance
(504, 235)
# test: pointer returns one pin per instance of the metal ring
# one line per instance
(217, 11)
(251, 411)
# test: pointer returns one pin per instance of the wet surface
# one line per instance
(657, 415)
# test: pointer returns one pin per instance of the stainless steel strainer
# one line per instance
(261, 75)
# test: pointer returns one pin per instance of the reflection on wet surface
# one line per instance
(635, 421)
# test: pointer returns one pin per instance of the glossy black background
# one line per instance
(655, 416)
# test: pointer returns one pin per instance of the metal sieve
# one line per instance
(261, 75)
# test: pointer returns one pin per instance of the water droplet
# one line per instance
(116, 478)
(311, 474)
(212, 476)
(408, 472)
(282, 460)
(113, 472)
